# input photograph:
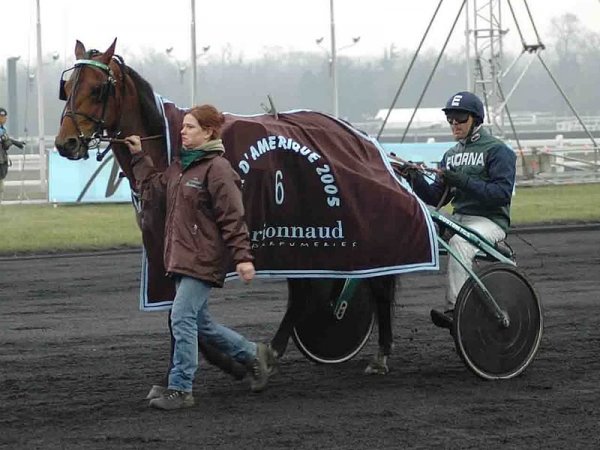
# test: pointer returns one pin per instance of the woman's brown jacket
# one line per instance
(204, 215)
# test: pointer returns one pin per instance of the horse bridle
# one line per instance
(106, 90)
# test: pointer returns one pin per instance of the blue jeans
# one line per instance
(190, 319)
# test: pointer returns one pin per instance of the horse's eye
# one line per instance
(96, 93)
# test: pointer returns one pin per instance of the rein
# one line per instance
(406, 166)
(122, 141)
(101, 154)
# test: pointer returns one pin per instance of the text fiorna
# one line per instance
(298, 232)
(269, 143)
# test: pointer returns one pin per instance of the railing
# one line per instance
(558, 163)
(23, 182)
(541, 162)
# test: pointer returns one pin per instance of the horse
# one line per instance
(107, 100)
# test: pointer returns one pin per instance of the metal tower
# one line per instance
(486, 69)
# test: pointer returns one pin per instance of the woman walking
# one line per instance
(204, 220)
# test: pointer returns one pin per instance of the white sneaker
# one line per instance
(173, 399)
(156, 391)
(262, 367)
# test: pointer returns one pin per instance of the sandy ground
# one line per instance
(77, 358)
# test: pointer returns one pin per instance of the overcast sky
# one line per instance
(252, 25)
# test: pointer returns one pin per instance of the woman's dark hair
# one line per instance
(208, 117)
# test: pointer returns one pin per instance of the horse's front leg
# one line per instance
(157, 390)
(382, 291)
(296, 301)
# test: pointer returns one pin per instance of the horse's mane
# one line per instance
(151, 116)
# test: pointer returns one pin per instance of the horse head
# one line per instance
(93, 93)
(107, 100)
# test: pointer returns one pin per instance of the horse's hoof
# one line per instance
(273, 361)
(377, 367)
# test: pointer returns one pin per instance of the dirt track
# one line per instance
(74, 375)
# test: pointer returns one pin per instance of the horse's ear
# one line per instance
(79, 49)
(108, 54)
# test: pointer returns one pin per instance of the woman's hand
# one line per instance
(134, 143)
(246, 271)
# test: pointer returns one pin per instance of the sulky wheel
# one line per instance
(321, 336)
(490, 350)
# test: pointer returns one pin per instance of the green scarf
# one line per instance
(190, 156)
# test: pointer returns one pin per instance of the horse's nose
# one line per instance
(66, 147)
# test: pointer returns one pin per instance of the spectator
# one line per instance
(5, 143)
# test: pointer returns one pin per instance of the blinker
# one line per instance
(62, 94)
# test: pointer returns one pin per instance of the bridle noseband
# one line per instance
(106, 90)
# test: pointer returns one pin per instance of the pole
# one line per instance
(40, 101)
(437, 61)
(193, 37)
(569, 104)
(468, 48)
(410, 66)
(13, 103)
(334, 86)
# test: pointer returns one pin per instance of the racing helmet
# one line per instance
(466, 101)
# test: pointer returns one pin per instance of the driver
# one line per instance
(480, 172)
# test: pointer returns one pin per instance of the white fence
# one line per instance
(541, 162)
(23, 181)
(558, 161)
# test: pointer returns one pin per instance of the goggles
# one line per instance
(457, 117)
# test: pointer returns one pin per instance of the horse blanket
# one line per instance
(321, 201)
